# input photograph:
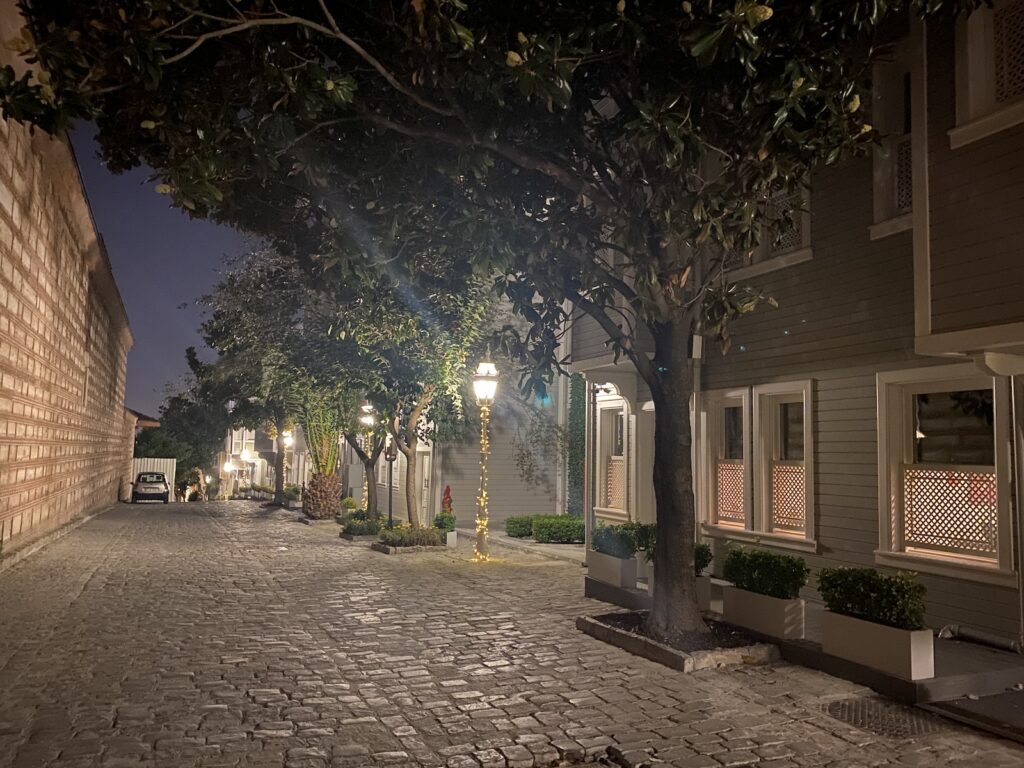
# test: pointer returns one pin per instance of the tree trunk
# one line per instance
(371, 486)
(674, 609)
(279, 464)
(411, 499)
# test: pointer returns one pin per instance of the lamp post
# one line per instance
(367, 419)
(390, 454)
(229, 470)
(485, 386)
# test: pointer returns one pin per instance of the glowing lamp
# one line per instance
(245, 455)
(229, 467)
(208, 478)
(289, 439)
(485, 382)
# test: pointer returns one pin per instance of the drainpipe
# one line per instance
(588, 471)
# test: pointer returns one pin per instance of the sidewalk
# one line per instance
(570, 553)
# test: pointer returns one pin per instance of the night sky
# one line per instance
(161, 259)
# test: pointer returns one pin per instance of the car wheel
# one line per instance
(134, 500)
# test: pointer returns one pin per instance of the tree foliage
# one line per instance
(613, 157)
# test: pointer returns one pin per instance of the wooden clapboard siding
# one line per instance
(976, 196)
(849, 315)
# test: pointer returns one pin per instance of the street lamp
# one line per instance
(229, 470)
(485, 386)
(390, 454)
(289, 440)
(368, 420)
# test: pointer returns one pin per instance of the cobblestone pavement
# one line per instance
(222, 635)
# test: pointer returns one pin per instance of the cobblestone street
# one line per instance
(222, 635)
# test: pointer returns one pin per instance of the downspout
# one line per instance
(1017, 421)
(588, 467)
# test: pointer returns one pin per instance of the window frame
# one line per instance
(612, 409)
(978, 114)
(895, 420)
(713, 405)
(772, 260)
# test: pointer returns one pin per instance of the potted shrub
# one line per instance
(519, 526)
(764, 594)
(558, 529)
(444, 521)
(877, 620)
(611, 559)
(646, 536)
(701, 560)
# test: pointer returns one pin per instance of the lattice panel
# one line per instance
(951, 510)
(731, 509)
(904, 174)
(1009, 45)
(789, 497)
(615, 483)
(791, 237)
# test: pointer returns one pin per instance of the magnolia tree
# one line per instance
(613, 157)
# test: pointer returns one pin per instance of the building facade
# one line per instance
(65, 436)
(870, 419)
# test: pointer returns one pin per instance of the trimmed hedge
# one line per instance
(701, 558)
(766, 573)
(519, 526)
(362, 527)
(864, 593)
(411, 537)
(558, 529)
(349, 503)
(615, 540)
(444, 521)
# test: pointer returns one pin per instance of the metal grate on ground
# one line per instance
(883, 717)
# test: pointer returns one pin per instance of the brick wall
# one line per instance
(65, 438)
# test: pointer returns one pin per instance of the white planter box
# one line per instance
(451, 539)
(767, 615)
(704, 593)
(611, 570)
(909, 654)
(644, 569)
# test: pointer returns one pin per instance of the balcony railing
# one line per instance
(950, 509)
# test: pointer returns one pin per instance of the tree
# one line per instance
(615, 158)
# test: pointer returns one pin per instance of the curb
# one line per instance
(512, 544)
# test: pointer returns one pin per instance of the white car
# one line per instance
(151, 485)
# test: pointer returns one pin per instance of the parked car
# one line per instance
(151, 485)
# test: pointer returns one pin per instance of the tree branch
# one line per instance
(643, 364)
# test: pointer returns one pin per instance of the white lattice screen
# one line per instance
(1009, 53)
(791, 237)
(950, 509)
(789, 497)
(615, 483)
(903, 174)
(731, 509)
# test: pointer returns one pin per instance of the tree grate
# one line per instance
(883, 717)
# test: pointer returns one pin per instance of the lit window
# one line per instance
(943, 475)
(783, 490)
(727, 469)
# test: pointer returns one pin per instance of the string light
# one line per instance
(482, 554)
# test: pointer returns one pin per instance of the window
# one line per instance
(727, 417)
(944, 470)
(757, 482)
(783, 476)
(989, 72)
(893, 156)
(787, 241)
(382, 470)
(243, 440)
(613, 438)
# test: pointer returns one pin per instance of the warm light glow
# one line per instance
(208, 478)
(485, 382)
(289, 439)
(245, 455)
(367, 420)
(229, 466)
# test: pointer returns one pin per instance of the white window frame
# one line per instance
(894, 423)
(887, 112)
(759, 434)
(606, 404)
(773, 259)
(978, 115)
(767, 400)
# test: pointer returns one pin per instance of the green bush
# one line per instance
(766, 573)
(864, 593)
(411, 537)
(349, 503)
(362, 527)
(646, 535)
(444, 521)
(292, 492)
(557, 529)
(701, 558)
(519, 526)
(615, 540)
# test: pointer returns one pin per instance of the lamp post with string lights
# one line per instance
(485, 387)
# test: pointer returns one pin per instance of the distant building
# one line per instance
(65, 435)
